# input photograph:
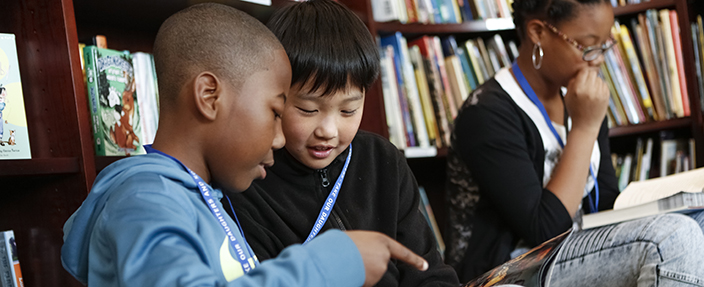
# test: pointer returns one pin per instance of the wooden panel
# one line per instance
(36, 209)
(40, 166)
(650, 127)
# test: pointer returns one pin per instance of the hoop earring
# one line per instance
(533, 57)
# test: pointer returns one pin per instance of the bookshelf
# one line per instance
(430, 172)
(38, 195)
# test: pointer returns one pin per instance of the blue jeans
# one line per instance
(664, 250)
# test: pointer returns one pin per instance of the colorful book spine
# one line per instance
(9, 261)
(113, 102)
(392, 107)
(637, 73)
(677, 44)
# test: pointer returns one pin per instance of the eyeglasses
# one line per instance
(588, 53)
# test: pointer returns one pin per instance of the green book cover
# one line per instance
(113, 102)
(14, 137)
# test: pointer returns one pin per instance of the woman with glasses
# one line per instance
(530, 154)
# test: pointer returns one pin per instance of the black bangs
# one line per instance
(554, 11)
(327, 44)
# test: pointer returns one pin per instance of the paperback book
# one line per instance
(10, 273)
(14, 137)
(113, 102)
(531, 269)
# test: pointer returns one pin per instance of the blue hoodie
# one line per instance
(145, 223)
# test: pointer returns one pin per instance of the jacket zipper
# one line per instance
(326, 183)
(324, 177)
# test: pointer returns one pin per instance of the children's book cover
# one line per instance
(113, 102)
(14, 138)
(531, 269)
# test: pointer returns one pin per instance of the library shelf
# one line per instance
(39, 166)
(650, 127)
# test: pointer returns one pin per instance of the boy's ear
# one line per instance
(535, 30)
(207, 90)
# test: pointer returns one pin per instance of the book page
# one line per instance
(653, 189)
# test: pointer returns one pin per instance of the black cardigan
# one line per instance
(494, 187)
(379, 193)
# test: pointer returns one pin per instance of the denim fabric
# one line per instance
(664, 250)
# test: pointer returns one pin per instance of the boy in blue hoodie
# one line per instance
(156, 220)
(330, 175)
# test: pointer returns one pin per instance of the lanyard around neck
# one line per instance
(330, 201)
(205, 192)
(525, 86)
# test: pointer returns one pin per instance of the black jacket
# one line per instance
(495, 173)
(379, 193)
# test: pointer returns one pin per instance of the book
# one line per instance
(392, 107)
(14, 134)
(424, 92)
(113, 102)
(677, 44)
(637, 74)
(407, 83)
(145, 79)
(458, 83)
(437, 94)
(650, 70)
(530, 269)
(671, 68)
(404, 90)
(427, 211)
(681, 192)
(9, 261)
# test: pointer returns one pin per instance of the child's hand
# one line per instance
(587, 99)
(376, 249)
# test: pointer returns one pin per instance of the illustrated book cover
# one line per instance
(113, 102)
(14, 137)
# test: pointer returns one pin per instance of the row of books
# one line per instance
(616, 3)
(123, 99)
(645, 70)
(676, 155)
(426, 80)
(10, 272)
(439, 11)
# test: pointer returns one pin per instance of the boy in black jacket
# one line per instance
(330, 175)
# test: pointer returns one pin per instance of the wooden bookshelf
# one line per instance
(430, 172)
(39, 166)
(650, 127)
(38, 195)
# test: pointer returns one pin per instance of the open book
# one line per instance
(681, 192)
(530, 269)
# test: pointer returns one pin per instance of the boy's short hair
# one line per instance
(326, 41)
(209, 37)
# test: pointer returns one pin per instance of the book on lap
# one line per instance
(681, 192)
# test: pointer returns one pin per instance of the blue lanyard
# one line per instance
(219, 215)
(330, 201)
(593, 204)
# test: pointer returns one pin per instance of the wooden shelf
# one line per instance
(39, 166)
(650, 127)
(488, 25)
(642, 7)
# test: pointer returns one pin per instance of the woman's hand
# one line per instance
(587, 99)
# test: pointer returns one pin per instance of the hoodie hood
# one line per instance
(78, 229)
